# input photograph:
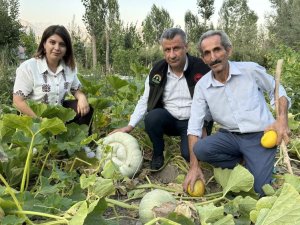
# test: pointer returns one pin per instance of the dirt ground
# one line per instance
(165, 177)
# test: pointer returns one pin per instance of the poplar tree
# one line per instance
(154, 24)
(284, 24)
(240, 23)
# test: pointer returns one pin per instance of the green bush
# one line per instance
(290, 76)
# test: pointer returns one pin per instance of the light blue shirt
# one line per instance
(238, 105)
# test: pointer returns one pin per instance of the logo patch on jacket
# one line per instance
(156, 79)
(197, 77)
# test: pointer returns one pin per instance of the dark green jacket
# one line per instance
(158, 79)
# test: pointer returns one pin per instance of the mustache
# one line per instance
(215, 62)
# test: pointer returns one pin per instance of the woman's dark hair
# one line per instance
(64, 34)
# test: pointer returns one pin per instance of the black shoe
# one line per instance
(157, 162)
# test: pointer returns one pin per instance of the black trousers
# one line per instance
(159, 122)
(86, 119)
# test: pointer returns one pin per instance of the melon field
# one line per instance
(47, 178)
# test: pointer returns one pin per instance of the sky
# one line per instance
(47, 12)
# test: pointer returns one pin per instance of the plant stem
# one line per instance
(80, 160)
(27, 166)
(58, 222)
(121, 204)
(12, 194)
(41, 171)
(41, 214)
(210, 201)
(156, 187)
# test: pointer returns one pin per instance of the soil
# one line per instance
(166, 177)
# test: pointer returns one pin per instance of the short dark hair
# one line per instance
(225, 41)
(171, 33)
(64, 34)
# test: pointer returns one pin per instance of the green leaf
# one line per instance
(54, 126)
(46, 188)
(293, 180)
(24, 123)
(3, 155)
(80, 215)
(268, 190)
(52, 111)
(117, 82)
(99, 103)
(6, 133)
(210, 213)
(103, 187)
(89, 86)
(236, 180)
(89, 139)
(293, 124)
(227, 220)
(64, 114)
(266, 202)
(246, 205)
(285, 210)
(12, 220)
(110, 170)
(37, 108)
(86, 182)
(96, 210)
(178, 218)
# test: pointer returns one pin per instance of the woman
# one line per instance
(50, 75)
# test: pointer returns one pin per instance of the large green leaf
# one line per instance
(210, 213)
(54, 126)
(95, 215)
(99, 103)
(80, 215)
(227, 220)
(65, 114)
(116, 82)
(236, 180)
(13, 121)
(293, 180)
(285, 210)
(51, 111)
(103, 187)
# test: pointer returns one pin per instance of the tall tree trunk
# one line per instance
(107, 66)
(94, 51)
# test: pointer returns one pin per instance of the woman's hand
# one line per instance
(83, 106)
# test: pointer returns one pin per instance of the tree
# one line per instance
(9, 24)
(154, 24)
(240, 23)
(193, 27)
(28, 41)
(284, 24)
(101, 17)
(206, 9)
(94, 19)
(78, 41)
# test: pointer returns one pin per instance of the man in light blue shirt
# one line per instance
(233, 92)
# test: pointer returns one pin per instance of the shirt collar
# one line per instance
(43, 66)
(233, 70)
